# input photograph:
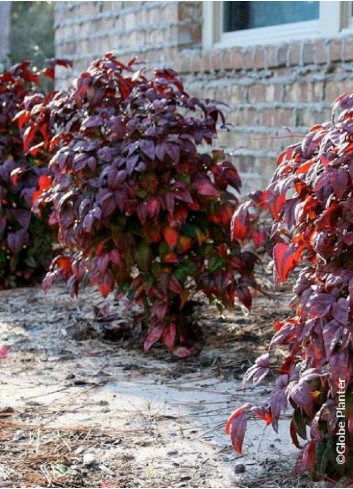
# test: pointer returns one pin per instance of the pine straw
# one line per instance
(43, 456)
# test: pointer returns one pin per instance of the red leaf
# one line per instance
(170, 258)
(114, 256)
(275, 205)
(153, 336)
(259, 237)
(4, 352)
(28, 137)
(171, 236)
(107, 285)
(284, 258)
(160, 310)
(15, 175)
(23, 116)
(244, 295)
(185, 242)
(64, 263)
(234, 415)
(240, 222)
(174, 285)
(206, 188)
(153, 206)
(293, 434)
(237, 432)
(308, 458)
(44, 182)
(169, 335)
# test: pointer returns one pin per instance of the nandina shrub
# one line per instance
(143, 205)
(312, 190)
(25, 241)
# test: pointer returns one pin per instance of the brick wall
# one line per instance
(274, 93)
(155, 31)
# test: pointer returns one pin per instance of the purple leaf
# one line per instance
(340, 311)
(237, 432)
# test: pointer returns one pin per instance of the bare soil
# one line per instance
(80, 411)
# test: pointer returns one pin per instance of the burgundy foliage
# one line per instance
(143, 206)
(251, 222)
(312, 194)
(25, 242)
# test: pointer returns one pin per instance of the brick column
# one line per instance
(5, 22)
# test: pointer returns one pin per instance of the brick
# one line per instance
(308, 53)
(196, 62)
(185, 62)
(244, 116)
(271, 58)
(294, 55)
(277, 117)
(266, 142)
(304, 92)
(274, 92)
(248, 63)
(321, 52)
(228, 60)
(267, 166)
(237, 94)
(259, 58)
(257, 93)
(245, 164)
(335, 50)
(282, 55)
(334, 89)
(348, 49)
(308, 117)
(216, 61)
(206, 61)
(234, 139)
(238, 59)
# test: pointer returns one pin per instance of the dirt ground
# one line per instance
(80, 411)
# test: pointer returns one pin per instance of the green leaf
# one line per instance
(163, 248)
(300, 424)
(189, 230)
(143, 256)
(216, 263)
(184, 270)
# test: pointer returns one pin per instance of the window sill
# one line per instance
(269, 35)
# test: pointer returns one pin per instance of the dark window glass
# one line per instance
(249, 15)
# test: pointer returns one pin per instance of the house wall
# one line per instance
(274, 93)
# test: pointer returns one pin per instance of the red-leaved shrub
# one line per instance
(312, 191)
(142, 204)
(25, 241)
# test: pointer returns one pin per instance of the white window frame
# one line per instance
(334, 17)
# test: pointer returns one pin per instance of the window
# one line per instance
(255, 22)
(251, 15)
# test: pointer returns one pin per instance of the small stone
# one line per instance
(88, 459)
(239, 469)
(172, 452)
(19, 435)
